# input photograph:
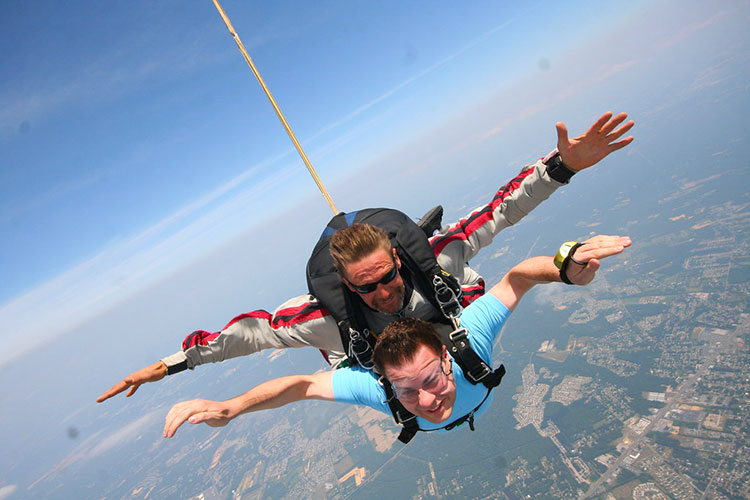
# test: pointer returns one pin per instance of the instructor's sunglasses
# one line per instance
(371, 287)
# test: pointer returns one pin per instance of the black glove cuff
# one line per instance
(181, 366)
(557, 170)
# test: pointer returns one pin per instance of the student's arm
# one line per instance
(537, 270)
(272, 394)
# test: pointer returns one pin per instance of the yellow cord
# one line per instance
(275, 106)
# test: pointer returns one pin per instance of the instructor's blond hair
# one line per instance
(355, 243)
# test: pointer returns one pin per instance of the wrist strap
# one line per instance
(566, 261)
(557, 170)
(181, 366)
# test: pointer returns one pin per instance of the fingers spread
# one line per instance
(610, 126)
(597, 126)
(613, 136)
(621, 144)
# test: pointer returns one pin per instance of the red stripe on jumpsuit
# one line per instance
(471, 293)
(299, 314)
(284, 317)
(465, 227)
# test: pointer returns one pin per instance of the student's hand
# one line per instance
(598, 141)
(196, 411)
(592, 250)
(151, 373)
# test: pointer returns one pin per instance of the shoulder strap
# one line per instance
(325, 284)
(476, 371)
(401, 415)
(473, 366)
(415, 253)
(435, 284)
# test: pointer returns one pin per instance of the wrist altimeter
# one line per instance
(564, 257)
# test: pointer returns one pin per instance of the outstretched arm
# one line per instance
(460, 242)
(299, 322)
(537, 270)
(272, 394)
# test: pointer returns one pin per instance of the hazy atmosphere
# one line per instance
(147, 188)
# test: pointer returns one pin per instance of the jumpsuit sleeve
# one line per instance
(299, 322)
(458, 243)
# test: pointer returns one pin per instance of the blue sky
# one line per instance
(135, 140)
(148, 190)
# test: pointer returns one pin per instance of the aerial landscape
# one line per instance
(634, 387)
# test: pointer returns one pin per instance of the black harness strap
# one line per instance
(420, 269)
(476, 371)
(401, 415)
(469, 416)
(474, 367)
(409, 422)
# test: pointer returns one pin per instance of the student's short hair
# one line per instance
(355, 243)
(400, 341)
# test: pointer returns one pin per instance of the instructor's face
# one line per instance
(369, 278)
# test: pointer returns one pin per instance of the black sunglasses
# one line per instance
(371, 287)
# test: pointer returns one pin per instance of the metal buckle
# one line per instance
(461, 337)
(459, 334)
(485, 371)
(446, 297)
(360, 349)
(401, 420)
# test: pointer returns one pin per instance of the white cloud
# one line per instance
(126, 433)
(126, 266)
(7, 491)
(549, 294)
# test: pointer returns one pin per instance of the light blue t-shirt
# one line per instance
(483, 320)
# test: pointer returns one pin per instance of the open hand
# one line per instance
(599, 140)
(151, 373)
(196, 411)
(588, 255)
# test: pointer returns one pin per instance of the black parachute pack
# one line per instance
(420, 268)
